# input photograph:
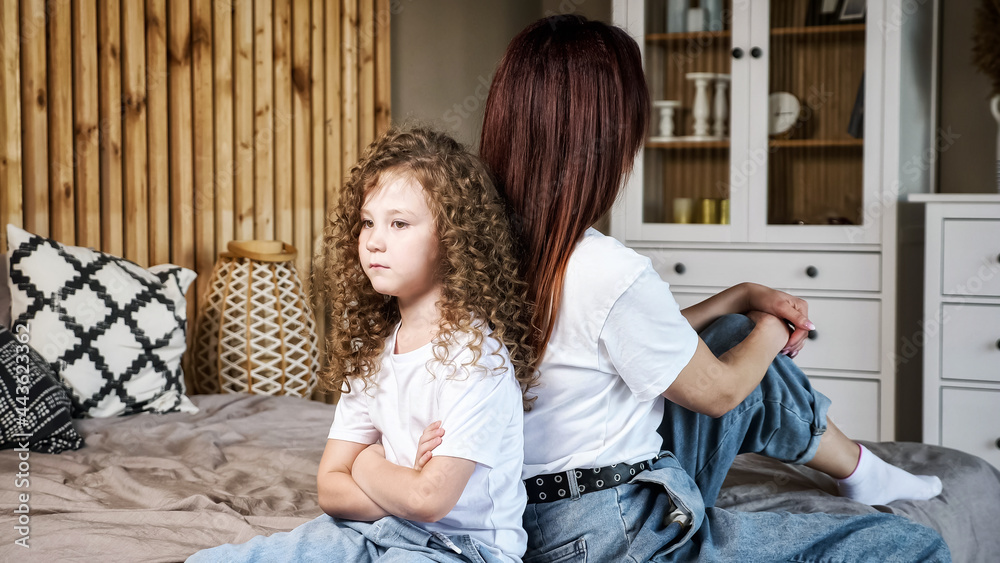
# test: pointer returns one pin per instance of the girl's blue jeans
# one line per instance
(783, 418)
(326, 540)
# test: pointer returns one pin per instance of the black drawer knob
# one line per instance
(998, 344)
(812, 272)
(680, 268)
(813, 335)
(756, 52)
(998, 443)
(737, 53)
(998, 257)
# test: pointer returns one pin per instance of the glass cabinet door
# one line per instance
(814, 127)
(686, 181)
(758, 121)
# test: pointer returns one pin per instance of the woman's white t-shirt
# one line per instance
(618, 342)
(482, 416)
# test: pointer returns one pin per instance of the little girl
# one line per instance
(428, 344)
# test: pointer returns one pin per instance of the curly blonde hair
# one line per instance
(479, 271)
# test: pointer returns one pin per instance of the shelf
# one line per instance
(778, 143)
(687, 145)
(678, 37)
(818, 30)
(778, 31)
(815, 143)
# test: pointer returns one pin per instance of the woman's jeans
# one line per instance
(783, 418)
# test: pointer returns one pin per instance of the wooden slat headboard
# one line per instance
(159, 131)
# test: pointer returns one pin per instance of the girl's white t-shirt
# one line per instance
(482, 416)
(618, 342)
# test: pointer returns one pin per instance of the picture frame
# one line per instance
(822, 12)
(851, 11)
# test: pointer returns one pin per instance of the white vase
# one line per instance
(713, 14)
(665, 119)
(995, 108)
(677, 16)
(702, 109)
(721, 105)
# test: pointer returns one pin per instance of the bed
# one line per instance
(158, 487)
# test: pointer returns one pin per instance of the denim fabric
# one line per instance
(783, 418)
(326, 539)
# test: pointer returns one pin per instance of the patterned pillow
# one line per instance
(4, 293)
(34, 408)
(113, 331)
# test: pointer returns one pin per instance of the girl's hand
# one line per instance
(784, 306)
(430, 439)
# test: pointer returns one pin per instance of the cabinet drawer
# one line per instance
(970, 342)
(847, 337)
(855, 408)
(786, 270)
(970, 421)
(971, 261)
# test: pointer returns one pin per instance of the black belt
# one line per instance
(557, 486)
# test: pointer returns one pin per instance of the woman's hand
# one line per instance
(430, 439)
(784, 306)
(774, 328)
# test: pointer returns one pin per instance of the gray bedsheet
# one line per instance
(160, 487)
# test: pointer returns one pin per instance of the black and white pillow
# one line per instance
(113, 331)
(34, 408)
(4, 293)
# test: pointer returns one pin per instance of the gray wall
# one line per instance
(967, 128)
(444, 53)
(443, 56)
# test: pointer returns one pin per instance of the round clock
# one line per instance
(783, 111)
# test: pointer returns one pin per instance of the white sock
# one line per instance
(876, 482)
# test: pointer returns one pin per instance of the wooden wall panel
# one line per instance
(34, 115)
(87, 166)
(109, 94)
(263, 122)
(302, 131)
(181, 159)
(333, 130)
(366, 75)
(283, 176)
(10, 119)
(349, 68)
(318, 101)
(62, 204)
(203, 143)
(383, 83)
(134, 132)
(157, 131)
(160, 130)
(243, 117)
(222, 90)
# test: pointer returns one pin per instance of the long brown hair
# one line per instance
(478, 265)
(565, 116)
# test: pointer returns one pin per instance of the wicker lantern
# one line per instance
(255, 331)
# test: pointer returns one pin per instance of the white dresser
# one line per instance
(961, 322)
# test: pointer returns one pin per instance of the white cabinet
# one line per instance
(810, 209)
(961, 322)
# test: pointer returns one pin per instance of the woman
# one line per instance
(565, 117)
